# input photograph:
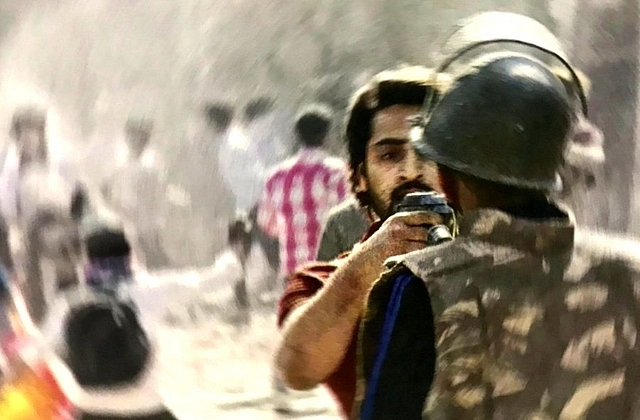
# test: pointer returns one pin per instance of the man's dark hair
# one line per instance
(404, 86)
(312, 125)
(258, 107)
(107, 242)
(219, 115)
(28, 116)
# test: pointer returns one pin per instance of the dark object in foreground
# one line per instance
(107, 346)
(434, 203)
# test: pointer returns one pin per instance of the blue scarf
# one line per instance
(108, 273)
(400, 283)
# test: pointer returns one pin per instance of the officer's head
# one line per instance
(384, 166)
(499, 132)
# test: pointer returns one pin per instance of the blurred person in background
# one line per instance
(38, 196)
(228, 290)
(102, 332)
(301, 190)
(258, 139)
(137, 191)
(297, 196)
(320, 309)
(344, 227)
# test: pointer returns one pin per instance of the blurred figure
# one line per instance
(241, 269)
(219, 116)
(100, 331)
(345, 226)
(255, 142)
(38, 206)
(137, 192)
(297, 196)
(301, 190)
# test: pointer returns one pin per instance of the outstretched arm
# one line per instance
(318, 332)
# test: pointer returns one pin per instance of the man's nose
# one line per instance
(413, 167)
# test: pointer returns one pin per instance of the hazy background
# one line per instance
(93, 63)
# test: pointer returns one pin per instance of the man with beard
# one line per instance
(518, 317)
(321, 306)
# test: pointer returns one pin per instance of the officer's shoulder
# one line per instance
(446, 256)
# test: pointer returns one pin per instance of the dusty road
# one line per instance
(214, 371)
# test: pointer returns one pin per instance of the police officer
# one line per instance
(516, 318)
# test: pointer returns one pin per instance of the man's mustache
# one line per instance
(399, 192)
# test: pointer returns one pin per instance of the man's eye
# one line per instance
(389, 156)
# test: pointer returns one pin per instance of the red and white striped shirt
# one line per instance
(297, 197)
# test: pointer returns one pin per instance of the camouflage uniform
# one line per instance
(530, 323)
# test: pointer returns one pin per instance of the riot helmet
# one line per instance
(507, 115)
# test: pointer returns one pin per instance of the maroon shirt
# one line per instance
(303, 285)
